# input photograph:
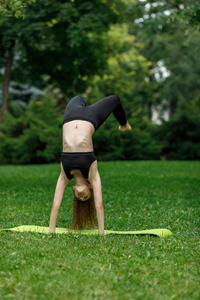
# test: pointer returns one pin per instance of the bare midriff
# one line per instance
(77, 136)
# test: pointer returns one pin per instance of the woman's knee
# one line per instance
(115, 98)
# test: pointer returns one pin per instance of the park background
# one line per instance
(147, 52)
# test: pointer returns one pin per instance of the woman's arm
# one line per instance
(95, 180)
(60, 188)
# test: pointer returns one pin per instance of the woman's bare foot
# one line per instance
(125, 127)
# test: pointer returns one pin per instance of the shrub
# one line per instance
(139, 144)
(32, 135)
(181, 135)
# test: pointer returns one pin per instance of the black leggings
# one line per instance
(96, 113)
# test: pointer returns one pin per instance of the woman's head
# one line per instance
(82, 192)
(84, 213)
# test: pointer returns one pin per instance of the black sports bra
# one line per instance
(77, 161)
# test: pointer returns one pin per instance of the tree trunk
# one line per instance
(173, 106)
(6, 82)
(149, 107)
(149, 101)
(0, 46)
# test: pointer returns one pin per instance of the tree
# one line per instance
(172, 47)
(126, 69)
(57, 42)
(9, 9)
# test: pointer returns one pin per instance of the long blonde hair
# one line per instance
(84, 214)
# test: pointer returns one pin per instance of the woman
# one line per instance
(78, 160)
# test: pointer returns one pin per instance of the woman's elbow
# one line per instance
(99, 206)
(56, 206)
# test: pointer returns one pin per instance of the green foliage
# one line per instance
(60, 42)
(125, 65)
(13, 7)
(126, 70)
(139, 144)
(189, 12)
(137, 195)
(181, 135)
(33, 135)
(172, 48)
(147, 52)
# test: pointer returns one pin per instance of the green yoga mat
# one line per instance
(40, 229)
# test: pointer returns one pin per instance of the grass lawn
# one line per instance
(137, 195)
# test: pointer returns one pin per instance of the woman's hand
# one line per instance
(52, 232)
